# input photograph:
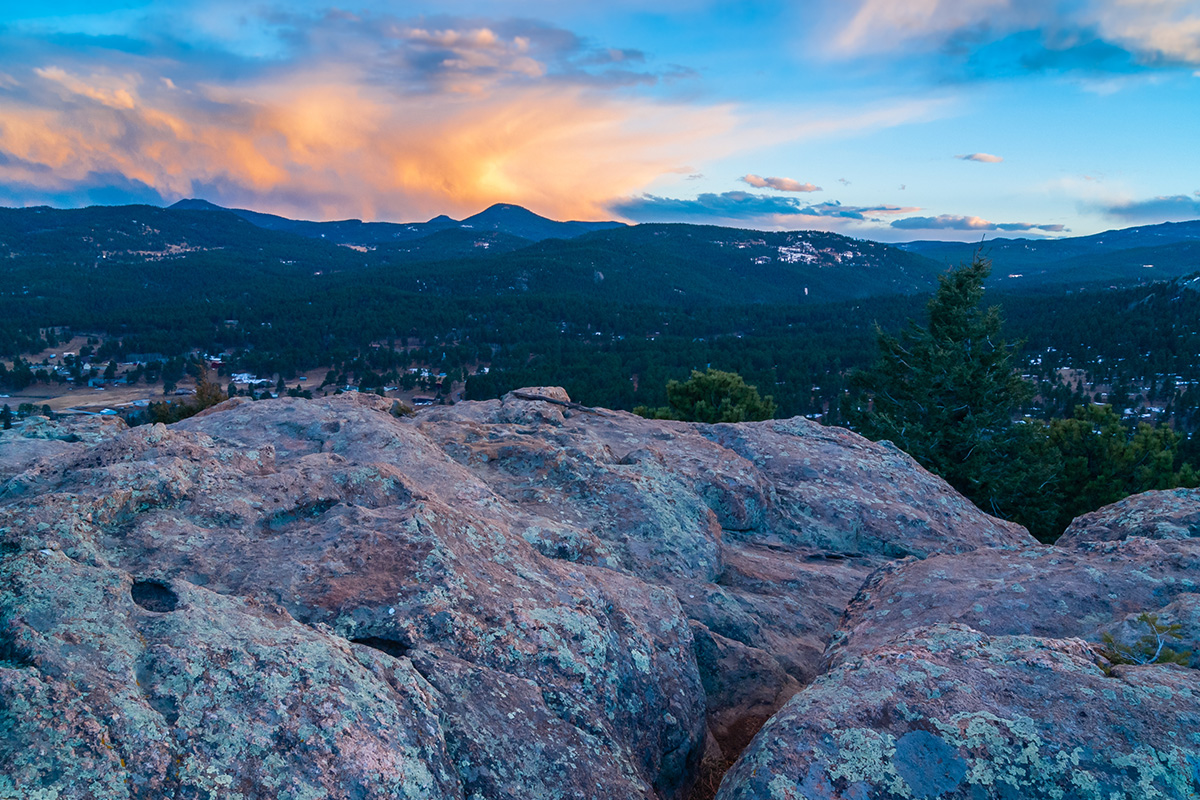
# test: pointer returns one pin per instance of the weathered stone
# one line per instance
(949, 712)
(1044, 591)
(219, 697)
(764, 530)
(564, 602)
(1166, 514)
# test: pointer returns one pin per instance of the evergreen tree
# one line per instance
(947, 393)
(1104, 461)
(6, 416)
(712, 396)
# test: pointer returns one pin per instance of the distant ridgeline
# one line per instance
(610, 311)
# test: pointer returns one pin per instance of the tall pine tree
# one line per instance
(947, 393)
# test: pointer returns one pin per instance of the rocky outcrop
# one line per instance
(1166, 514)
(949, 712)
(520, 598)
(1044, 591)
(40, 438)
(986, 674)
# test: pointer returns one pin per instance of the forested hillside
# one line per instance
(611, 315)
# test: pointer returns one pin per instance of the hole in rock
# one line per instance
(304, 511)
(154, 596)
(392, 647)
(12, 653)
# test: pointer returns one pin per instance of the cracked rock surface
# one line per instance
(510, 599)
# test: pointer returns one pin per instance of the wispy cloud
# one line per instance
(954, 222)
(778, 184)
(998, 36)
(986, 158)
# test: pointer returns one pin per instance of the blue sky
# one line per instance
(881, 119)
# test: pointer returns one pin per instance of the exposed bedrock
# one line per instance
(511, 599)
(1007, 674)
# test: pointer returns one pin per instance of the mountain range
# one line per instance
(1169, 249)
(1121, 256)
(501, 217)
(195, 245)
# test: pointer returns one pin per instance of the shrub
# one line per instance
(1151, 648)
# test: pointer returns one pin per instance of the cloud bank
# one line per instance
(376, 117)
(756, 210)
(368, 115)
(953, 222)
(985, 158)
(1175, 208)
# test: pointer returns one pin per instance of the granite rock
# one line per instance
(518, 598)
(948, 712)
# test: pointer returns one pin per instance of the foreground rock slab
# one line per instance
(949, 712)
(987, 674)
(1081, 591)
(513, 599)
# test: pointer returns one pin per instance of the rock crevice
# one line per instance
(525, 598)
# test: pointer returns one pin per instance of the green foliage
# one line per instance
(712, 396)
(1103, 460)
(947, 393)
(1151, 648)
(208, 393)
(6, 417)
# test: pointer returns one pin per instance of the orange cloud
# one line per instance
(334, 144)
(103, 89)
(382, 119)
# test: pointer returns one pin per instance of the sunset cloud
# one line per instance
(953, 222)
(779, 184)
(406, 111)
(337, 146)
(372, 116)
(366, 116)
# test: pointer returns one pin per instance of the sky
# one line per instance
(890, 120)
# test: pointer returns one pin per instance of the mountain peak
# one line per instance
(195, 204)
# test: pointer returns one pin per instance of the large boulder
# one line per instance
(549, 677)
(520, 598)
(764, 530)
(1004, 673)
(1047, 591)
(949, 712)
(1163, 514)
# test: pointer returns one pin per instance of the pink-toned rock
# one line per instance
(764, 530)
(544, 580)
(116, 688)
(1165, 514)
(38, 438)
(949, 712)
(1044, 591)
